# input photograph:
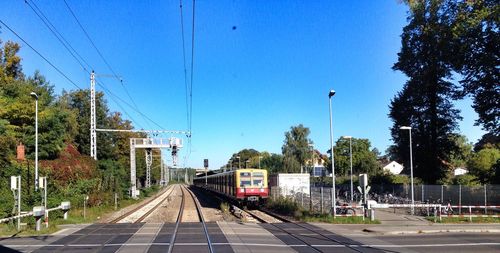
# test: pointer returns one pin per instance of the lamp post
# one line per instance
(350, 154)
(246, 163)
(312, 158)
(239, 162)
(411, 170)
(334, 197)
(260, 157)
(35, 96)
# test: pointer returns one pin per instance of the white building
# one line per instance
(460, 171)
(393, 167)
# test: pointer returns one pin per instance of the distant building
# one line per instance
(319, 169)
(393, 168)
(460, 171)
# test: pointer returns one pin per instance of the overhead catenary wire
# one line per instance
(42, 56)
(184, 64)
(58, 35)
(104, 59)
(70, 49)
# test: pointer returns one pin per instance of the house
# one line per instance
(460, 171)
(318, 163)
(393, 167)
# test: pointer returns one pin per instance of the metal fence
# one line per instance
(444, 194)
(320, 199)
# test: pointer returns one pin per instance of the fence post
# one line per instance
(485, 201)
(321, 205)
(442, 197)
(459, 199)
(470, 213)
(440, 211)
(302, 198)
(423, 193)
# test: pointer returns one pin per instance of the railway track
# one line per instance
(141, 212)
(293, 225)
(188, 217)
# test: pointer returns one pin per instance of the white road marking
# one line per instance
(263, 245)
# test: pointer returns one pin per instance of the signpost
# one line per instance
(205, 164)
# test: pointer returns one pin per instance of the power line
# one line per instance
(57, 34)
(66, 44)
(103, 59)
(192, 67)
(91, 41)
(185, 69)
(43, 57)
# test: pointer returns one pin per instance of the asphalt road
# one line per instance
(240, 237)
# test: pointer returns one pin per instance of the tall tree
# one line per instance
(295, 149)
(425, 103)
(364, 160)
(476, 28)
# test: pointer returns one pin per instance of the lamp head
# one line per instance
(34, 95)
(347, 137)
(405, 128)
(331, 93)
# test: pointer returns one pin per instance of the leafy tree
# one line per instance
(476, 28)
(483, 162)
(295, 149)
(425, 103)
(364, 160)
(10, 62)
(245, 155)
(273, 163)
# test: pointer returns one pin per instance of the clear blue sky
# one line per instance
(252, 83)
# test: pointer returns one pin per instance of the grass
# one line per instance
(465, 219)
(328, 218)
(75, 216)
(287, 207)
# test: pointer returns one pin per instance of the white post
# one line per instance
(485, 202)
(332, 92)
(350, 152)
(321, 199)
(18, 202)
(459, 199)
(411, 172)
(93, 135)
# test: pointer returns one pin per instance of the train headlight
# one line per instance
(261, 190)
(242, 190)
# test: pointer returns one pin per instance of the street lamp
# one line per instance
(334, 197)
(260, 157)
(246, 163)
(411, 170)
(239, 162)
(350, 154)
(35, 96)
(312, 158)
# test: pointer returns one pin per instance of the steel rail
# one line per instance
(153, 209)
(178, 221)
(306, 228)
(123, 216)
(202, 219)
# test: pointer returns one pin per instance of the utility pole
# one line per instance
(93, 136)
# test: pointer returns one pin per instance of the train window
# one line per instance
(244, 174)
(258, 174)
(257, 182)
(245, 183)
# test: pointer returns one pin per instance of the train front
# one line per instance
(251, 186)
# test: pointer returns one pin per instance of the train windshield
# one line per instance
(258, 178)
(245, 183)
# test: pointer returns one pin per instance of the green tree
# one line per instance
(295, 149)
(476, 28)
(483, 162)
(10, 62)
(364, 160)
(272, 162)
(425, 103)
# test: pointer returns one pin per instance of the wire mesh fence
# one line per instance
(320, 199)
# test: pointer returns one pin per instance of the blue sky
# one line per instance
(251, 83)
